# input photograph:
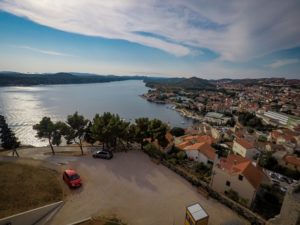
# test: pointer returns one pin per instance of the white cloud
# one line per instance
(283, 62)
(42, 51)
(236, 29)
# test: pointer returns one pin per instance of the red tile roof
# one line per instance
(291, 159)
(235, 164)
(194, 146)
(208, 151)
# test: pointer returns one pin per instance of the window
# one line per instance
(228, 183)
(241, 177)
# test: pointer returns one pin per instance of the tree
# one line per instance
(231, 122)
(75, 129)
(49, 130)
(177, 131)
(129, 134)
(109, 129)
(97, 129)
(158, 131)
(88, 136)
(8, 139)
(142, 130)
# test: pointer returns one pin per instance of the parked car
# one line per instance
(103, 154)
(72, 178)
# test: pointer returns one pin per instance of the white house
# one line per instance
(244, 148)
(201, 152)
(238, 174)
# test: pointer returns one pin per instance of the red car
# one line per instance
(72, 178)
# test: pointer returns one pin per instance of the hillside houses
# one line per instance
(197, 148)
(290, 161)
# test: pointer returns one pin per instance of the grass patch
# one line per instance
(25, 187)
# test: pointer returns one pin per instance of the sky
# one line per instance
(211, 39)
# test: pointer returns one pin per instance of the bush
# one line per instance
(152, 151)
(203, 169)
(232, 195)
(262, 138)
(181, 155)
(177, 131)
(172, 161)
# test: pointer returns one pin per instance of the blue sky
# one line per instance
(209, 39)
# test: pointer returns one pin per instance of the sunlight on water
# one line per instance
(25, 106)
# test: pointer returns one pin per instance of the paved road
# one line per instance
(132, 187)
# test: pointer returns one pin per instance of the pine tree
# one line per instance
(8, 139)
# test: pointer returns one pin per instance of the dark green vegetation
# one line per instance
(50, 131)
(220, 150)
(250, 120)
(25, 187)
(267, 161)
(192, 83)
(7, 137)
(177, 131)
(74, 129)
(107, 129)
(235, 197)
(21, 79)
(268, 201)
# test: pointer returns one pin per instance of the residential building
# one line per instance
(240, 175)
(197, 148)
(244, 148)
(290, 161)
(201, 152)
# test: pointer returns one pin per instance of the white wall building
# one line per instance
(244, 148)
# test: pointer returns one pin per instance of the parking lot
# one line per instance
(136, 190)
(129, 186)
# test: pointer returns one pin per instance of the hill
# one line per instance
(21, 79)
(193, 83)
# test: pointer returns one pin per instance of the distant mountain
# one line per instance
(23, 79)
(193, 83)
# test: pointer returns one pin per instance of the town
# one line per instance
(245, 142)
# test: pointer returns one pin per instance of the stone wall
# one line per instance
(34, 216)
(290, 210)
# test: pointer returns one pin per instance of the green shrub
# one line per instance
(181, 155)
(172, 161)
(177, 131)
(152, 151)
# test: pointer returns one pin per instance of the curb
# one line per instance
(80, 221)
